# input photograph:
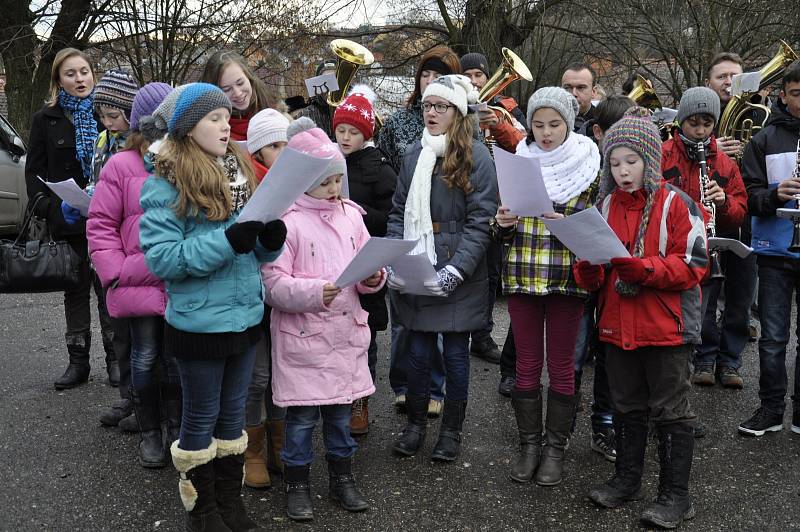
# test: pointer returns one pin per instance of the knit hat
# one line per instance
(356, 110)
(266, 127)
(635, 130)
(556, 98)
(147, 99)
(155, 126)
(116, 89)
(455, 88)
(475, 60)
(698, 100)
(305, 137)
(194, 102)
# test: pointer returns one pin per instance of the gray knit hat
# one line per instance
(698, 100)
(475, 60)
(555, 98)
(155, 126)
(194, 102)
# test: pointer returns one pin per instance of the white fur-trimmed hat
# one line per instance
(454, 88)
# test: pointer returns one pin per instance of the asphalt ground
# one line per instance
(61, 471)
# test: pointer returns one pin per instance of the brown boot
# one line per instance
(255, 463)
(359, 419)
(275, 431)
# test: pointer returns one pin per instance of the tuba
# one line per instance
(644, 95)
(352, 56)
(511, 69)
(739, 120)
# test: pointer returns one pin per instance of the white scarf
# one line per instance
(567, 170)
(417, 222)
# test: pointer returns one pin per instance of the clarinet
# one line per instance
(711, 227)
(794, 247)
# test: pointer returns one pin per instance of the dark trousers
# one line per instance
(259, 393)
(298, 449)
(651, 380)
(423, 348)
(588, 342)
(122, 350)
(494, 260)
(508, 356)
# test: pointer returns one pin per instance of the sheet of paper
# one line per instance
(588, 236)
(747, 82)
(376, 253)
(521, 185)
(71, 193)
(414, 270)
(731, 244)
(320, 85)
(290, 176)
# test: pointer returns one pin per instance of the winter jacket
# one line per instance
(400, 131)
(666, 312)
(113, 233)
(321, 113)
(372, 181)
(462, 241)
(505, 134)
(210, 288)
(319, 353)
(771, 157)
(52, 156)
(682, 172)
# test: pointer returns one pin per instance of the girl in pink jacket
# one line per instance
(319, 331)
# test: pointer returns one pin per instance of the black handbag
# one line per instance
(38, 265)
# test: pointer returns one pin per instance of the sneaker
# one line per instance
(700, 430)
(729, 378)
(762, 421)
(400, 401)
(796, 420)
(486, 349)
(603, 442)
(435, 408)
(506, 385)
(703, 375)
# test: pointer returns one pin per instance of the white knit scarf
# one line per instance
(417, 222)
(567, 170)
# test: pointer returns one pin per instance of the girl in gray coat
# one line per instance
(446, 193)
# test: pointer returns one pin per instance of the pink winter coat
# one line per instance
(319, 353)
(113, 234)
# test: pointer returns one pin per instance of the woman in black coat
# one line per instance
(61, 147)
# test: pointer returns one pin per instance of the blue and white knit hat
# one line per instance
(192, 103)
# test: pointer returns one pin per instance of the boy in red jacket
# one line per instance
(649, 317)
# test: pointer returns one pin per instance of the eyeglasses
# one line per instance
(440, 108)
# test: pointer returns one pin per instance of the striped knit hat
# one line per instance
(635, 130)
(194, 102)
(116, 89)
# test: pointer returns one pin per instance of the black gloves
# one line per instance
(242, 236)
(273, 235)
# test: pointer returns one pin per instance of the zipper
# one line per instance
(671, 313)
(353, 242)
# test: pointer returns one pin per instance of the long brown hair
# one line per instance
(55, 75)
(457, 165)
(137, 142)
(446, 55)
(201, 182)
(215, 67)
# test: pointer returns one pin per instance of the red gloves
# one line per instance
(630, 270)
(588, 276)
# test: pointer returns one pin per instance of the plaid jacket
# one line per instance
(537, 262)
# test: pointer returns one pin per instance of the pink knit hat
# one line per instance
(305, 137)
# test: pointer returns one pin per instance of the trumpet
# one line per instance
(711, 225)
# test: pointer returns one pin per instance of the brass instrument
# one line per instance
(352, 56)
(644, 94)
(711, 225)
(737, 119)
(794, 247)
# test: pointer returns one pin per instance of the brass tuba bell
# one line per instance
(511, 69)
(351, 56)
(644, 94)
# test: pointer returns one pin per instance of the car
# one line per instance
(13, 191)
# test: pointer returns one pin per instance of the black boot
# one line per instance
(626, 484)
(121, 409)
(673, 503)
(528, 411)
(229, 472)
(298, 493)
(449, 442)
(342, 486)
(78, 346)
(560, 409)
(413, 434)
(146, 402)
(112, 367)
(197, 488)
(171, 402)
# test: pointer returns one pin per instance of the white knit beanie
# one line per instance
(454, 88)
(266, 127)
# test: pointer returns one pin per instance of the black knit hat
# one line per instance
(475, 60)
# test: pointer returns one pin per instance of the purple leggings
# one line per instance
(562, 315)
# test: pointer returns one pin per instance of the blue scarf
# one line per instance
(82, 110)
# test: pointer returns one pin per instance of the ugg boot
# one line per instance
(557, 424)
(342, 487)
(528, 411)
(413, 435)
(673, 503)
(255, 463)
(298, 493)
(359, 418)
(77, 372)
(229, 470)
(449, 443)
(196, 487)
(148, 414)
(275, 431)
(171, 402)
(626, 484)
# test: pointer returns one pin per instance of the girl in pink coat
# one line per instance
(319, 331)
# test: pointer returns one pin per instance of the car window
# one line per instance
(6, 132)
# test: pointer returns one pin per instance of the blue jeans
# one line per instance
(214, 394)
(399, 359)
(260, 390)
(423, 349)
(776, 282)
(298, 449)
(147, 346)
(724, 347)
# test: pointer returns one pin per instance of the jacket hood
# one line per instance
(307, 202)
(780, 117)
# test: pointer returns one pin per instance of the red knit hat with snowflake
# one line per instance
(356, 110)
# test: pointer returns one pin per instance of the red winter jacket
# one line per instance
(666, 312)
(678, 170)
